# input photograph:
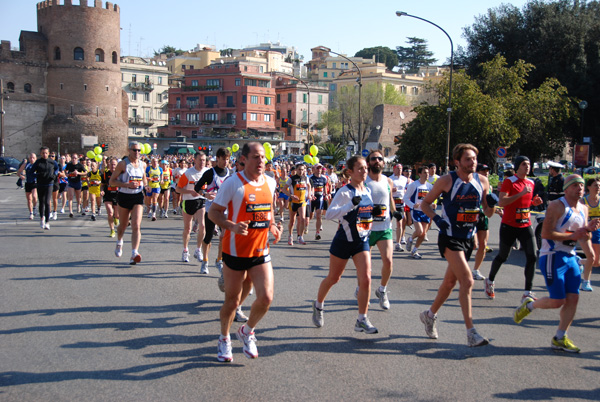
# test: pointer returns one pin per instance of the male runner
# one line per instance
(298, 189)
(399, 185)
(565, 224)
(45, 171)
(154, 174)
(130, 177)
(464, 191)
(26, 173)
(165, 189)
(516, 196)
(248, 199)
(109, 196)
(320, 195)
(415, 193)
(74, 170)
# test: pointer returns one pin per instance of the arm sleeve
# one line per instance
(206, 178)
(408, 195)
(340, 205)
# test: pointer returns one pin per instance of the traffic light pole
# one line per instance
(1, 117)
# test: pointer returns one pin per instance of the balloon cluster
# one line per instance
(146, 149)
(96, 154)
(312, 158)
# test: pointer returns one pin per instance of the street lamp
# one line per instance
(307, 90)
(359, 80)
(402, 13)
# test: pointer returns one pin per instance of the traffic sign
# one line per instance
(501, 160)
(501, 152)
(365, 152)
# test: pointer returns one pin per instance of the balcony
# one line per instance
(140, 121)
(141, 86)
(195, 88)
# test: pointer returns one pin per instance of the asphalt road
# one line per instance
(78, 324)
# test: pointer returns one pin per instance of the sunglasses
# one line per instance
(136, 149)
(376, 158)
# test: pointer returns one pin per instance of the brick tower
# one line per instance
(83, 78)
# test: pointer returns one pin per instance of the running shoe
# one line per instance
(224, 353)
(204, 268)
(219, 265)
(239, 315)
(301, 241)
(474, 339)
(564, 344)
(430, 324)
(116, 221)
(365, 326)
(42, 222)
(83, 213)
(198, 255)
(249, 342)
(119, 250)
(317, 315)
(93, 217)
(399, 247)
(54, 216)
(489, 249)
(426, 239)
(522, 311)
(31, 216)
(290, 240)
(586, 286)
(477, 275)
(185, 256)
(135, 258)
(305, 230)
(112, 233)
(416, 255)
(403, 241)
(221, 283)
(62, 210)
(47, 226)
(166, 215)
(149, 215)
(409, 243)
(383, 299)
(528, 294)
(70, 214)
(317, 236)
(153, 217)
(489, 289)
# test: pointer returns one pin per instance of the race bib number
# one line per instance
(364, 221)
(95, 183)
(422, 194)
(398, 202)
(467, 215)
(134, 179)
(260, 215)
(381, 216)
(522, 215)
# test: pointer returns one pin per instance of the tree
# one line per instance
(168, 50)
(559, 37)
(492, 109)
(412, 57)
(331, 121)
(337, 152)
(383, 54)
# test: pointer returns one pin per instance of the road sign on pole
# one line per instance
(501, 152)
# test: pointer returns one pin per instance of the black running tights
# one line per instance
(44, 196)
(508, 235)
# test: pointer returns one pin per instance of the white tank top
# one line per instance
(570, 221)
(130, 175)
(380, 193)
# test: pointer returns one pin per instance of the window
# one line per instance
(159, 80)
(134, 113)
(192, 101)
(249, 82)
(56, 53)
(254, 99)
(268, 100)
(289, 114)
(415, 90)
(10, 87)
(27, 88)
(194, 83)
(304, 116)
(147, 115)
(99, 55)
(332, 87)
(244, 116)
(178, 102)
(114, 57)
(192, 117)
(334, 64)
(289, 97)
(304, 97)
(182, 67)
(325, 74)
(253, 117)
(134, 96)
(210, 101)
(213, 83)
(238, 82)
(243, 98)
(230, 101)
(78, 53)
(158, 98)
(147, 79)
(147, 97)
(62, 85)
(260, 69)
(278, 98)
(85, 87)
(134, 78)
(320, 99)
(333, 74)
(267, 117)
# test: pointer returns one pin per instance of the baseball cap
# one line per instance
(482, 166)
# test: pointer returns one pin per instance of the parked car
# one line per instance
(591, 170)
(9, 164)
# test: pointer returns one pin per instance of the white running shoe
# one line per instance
(198, 255)
(31, 216)
(224, 353)
(416, 255)
(47, 226)
(62, 210)
(290, 240)
(239, 315)
(384, 302)
(365, 326)
(409, 243)
(42, 222)
(301, 241)
(204, 268)
(474, 339)
(219, 265)
(119, 250)
(185, 256)
(430, 324)
(477, 275)
(249, 342)
(54, 216)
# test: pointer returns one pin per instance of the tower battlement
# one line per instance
(82, 3)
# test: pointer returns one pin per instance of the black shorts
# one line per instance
(29, 187)
(482, 223)
(85, 188)
(455, 244)
(62, 187)
(190, 207)
(128, 201)
(244, 264)
(295, 206)
(317, 204)
(55, 187)
(110, 196)
(164, 190)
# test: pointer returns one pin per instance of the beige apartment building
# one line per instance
(146, 84)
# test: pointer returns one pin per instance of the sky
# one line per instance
(344, 27)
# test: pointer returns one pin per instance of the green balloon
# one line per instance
(97, 151)
(314, 150)
(91, 154)
(235, 147)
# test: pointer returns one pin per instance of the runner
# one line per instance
(516, 196)
(62, 183)
(94, 180)
(193, 208)
(298, 189)
(320, 196)
(399, 185)
(415, 193)
(592, 201)
(74, 170)
(154, 174)
(45, 171)
(353, 208)
(463, 191)
(55, 192)
(177, 172)
(282, 197)
(248, 199)
(564, 225)
(130, 177)
(26, 173)
(109, 197)
(482, 230)
(85, 194)
(165, 189)
(382, 233)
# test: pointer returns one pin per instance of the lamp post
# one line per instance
(402, 13)
(307, 90)
(359, 94)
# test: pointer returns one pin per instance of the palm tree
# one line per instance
(337, 152)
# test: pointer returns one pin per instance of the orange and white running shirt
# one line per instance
(246, 201)
(188, 180)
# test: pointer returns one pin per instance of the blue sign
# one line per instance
(501, 152)
(365, 152)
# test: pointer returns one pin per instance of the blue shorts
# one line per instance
(596, 237)
(74, 186)
(345, 250)
(283, 196)
(152, 191)
(562, 274)
(419, 216)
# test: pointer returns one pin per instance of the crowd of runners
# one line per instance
(245, 203)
